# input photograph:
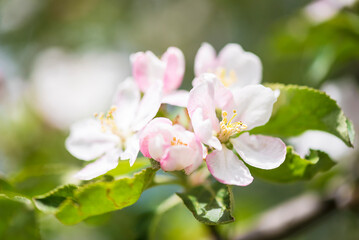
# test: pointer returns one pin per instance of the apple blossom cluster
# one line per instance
(226, 102)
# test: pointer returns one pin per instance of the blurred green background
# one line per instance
(60, 61)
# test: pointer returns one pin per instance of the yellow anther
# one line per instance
(224, 116)
(107, 120)
(176, 141)
(228, 128)
(226, 79)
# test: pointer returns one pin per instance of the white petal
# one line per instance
(205, 60)
(101, 166)
(260, 151)
(246, 65)
(126, 100)
(178, 158)
(204, 130)
(156, 147)
(225, 166)
(147, 69)
(175, 68)
(157, 126)
(202, 97)
(88, 141)
(197, 157)
(223, 97)
(132, 149)
(177, 98)
(148, 108)
(254, 105)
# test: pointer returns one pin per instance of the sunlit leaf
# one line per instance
(124, 167)
(73, 204)
(301, 108)
(210, 204)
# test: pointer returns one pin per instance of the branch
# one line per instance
(214, 232)
(294, 215)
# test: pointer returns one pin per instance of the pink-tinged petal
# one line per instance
(205, 60)
(204, 130)
(173, 146)
(223, 97)
(197, 158)
(260, 151)
(202, 97)
(150, 131)
(246, 65)
(205, 151)
(175, 67)
(226, 167)
(147, 69)
(101, 166)
(132, 149)
(88, 141)
(157, 147)
(254, 105)
(178, 158)
(126, 100)
(148, 108)
(177, 98)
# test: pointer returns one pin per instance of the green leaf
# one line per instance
(296, 168)
(50, 201)
(301, 108)
(4, 185)
(17, 217)
(124, 167)
(73, 204)
(210, 204)
(17, 221)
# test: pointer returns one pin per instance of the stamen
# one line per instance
(176, 141)
(228, 128)
(227, 80)
(107, 120)
(234, 115)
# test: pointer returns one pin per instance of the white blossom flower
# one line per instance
(233, 66)
(113, 135)
(147, 69)
(242, 110)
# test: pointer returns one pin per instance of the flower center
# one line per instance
(176, 142)
(108, 123)
(228, 128)
(226, 79)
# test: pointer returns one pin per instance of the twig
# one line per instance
(214, 232)
(299, 213)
